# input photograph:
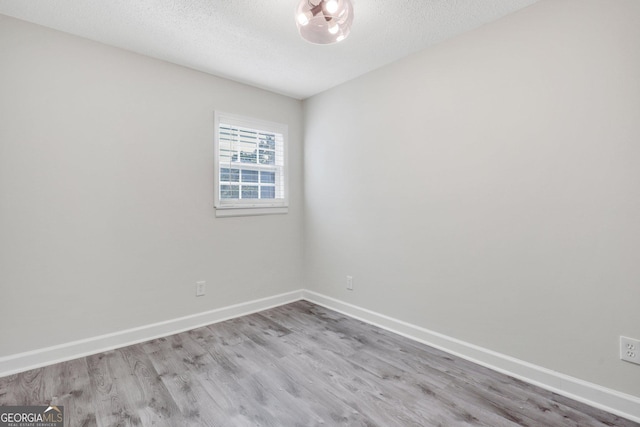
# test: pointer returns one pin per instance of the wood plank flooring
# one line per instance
(294, 365)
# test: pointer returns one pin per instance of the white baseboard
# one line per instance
(612, 401)
(60, 353)
(618, 403)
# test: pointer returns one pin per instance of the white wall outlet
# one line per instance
(350, 283)
(630, 350)
(201, 288)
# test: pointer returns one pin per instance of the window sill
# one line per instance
(227, 212)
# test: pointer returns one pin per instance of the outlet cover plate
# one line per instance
(630, 350)
(201, 288)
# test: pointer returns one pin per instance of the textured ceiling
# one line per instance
(256, 42)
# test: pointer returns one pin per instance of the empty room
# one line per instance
(320, 212)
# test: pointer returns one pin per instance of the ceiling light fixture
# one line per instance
(324, 21)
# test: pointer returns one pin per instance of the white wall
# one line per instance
(489, 189)
(106, 192)
(486, 189)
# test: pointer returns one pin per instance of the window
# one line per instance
(250, 166)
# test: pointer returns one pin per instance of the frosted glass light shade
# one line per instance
(324, 21)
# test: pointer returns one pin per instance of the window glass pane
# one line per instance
(249, 176)
(251, 163)
(267, 146)
(267, 192)
(249, 191)
(245, 145)
(268, 177)
(232, 175)
(267, 141)
(227, 136)
(246, 157)
(267, 157)
(229, 191)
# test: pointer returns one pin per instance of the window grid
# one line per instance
(233, 183)
(250, 163)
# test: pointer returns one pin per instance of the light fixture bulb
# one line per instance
(331, 6)
(324, 21)
(304, 18)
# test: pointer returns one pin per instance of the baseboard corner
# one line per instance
(37, 358)
(613, 401)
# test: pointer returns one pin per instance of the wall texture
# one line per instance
(106, 192)
(488, 188)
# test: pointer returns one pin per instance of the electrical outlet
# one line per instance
(630, 350)
(201, 288)
(350, 283)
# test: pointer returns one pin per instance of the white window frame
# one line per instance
(240, 207)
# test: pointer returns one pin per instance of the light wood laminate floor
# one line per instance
(295, 365)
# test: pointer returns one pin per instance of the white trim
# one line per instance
(610, 400)
(227, 212)
(615, 402)
(72, 350)
(240, 207)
